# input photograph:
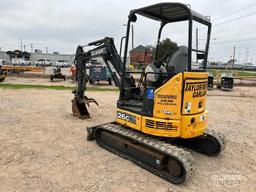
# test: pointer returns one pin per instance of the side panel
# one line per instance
(194, 125)
(167, 99)
(195, 90)
(194, 113)
(129, 119)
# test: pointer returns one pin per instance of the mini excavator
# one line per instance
(162, 115)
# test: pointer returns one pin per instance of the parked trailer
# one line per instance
(226, 82)
(99, 73)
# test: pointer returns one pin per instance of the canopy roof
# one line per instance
(170, 12)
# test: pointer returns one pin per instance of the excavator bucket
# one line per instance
(79, 108)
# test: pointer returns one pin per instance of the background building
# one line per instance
(141, 56)
(33, 57)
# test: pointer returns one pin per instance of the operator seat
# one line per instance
(178, 62)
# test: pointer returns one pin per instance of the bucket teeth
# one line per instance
(90, 100)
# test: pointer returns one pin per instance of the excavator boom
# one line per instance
(105, 49)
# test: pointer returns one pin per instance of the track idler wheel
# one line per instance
(211, 143)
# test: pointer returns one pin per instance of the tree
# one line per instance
(166, 46)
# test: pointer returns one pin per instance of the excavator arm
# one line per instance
(104, 48)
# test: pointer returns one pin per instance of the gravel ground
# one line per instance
(43, 147)
(58, 82)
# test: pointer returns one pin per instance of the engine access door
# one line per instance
(194, 93)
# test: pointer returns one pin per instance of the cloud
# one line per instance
(63, 24)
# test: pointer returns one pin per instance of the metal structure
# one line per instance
(226, 82)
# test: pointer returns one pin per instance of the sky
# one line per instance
(61, 25)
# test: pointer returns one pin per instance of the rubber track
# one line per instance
(218, 136)
(184, 157)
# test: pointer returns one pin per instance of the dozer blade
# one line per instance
(79, 108)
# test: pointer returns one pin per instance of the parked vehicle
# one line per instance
(43, 62)
(56, 74)
(99, 73)
(2, 62)
(20, 61)
(62, 63)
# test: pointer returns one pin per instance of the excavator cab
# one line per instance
(174, 90)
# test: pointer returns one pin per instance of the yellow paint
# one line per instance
(194, 96)
(168, 99)
(196, 128)
(179, 108)
(124, 121)
(161, 127)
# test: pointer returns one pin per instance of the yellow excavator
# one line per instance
(163, 114)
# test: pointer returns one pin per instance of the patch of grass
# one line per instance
(246, 73)
(54, 87)
(235, 72)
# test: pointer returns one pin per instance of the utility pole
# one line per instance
(234, 56)
(247, 56)
(24, 47)
(196, 43)
(31, 47)
(21, 44)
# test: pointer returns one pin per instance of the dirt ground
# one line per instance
(43, 147)
(56, 82)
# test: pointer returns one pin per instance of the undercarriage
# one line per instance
(161, 157)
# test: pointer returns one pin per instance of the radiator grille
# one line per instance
(159, 125)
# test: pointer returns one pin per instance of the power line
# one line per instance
(233, 12)
(233, 41)
(239, 29)
(235, 19)
(236, 34)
